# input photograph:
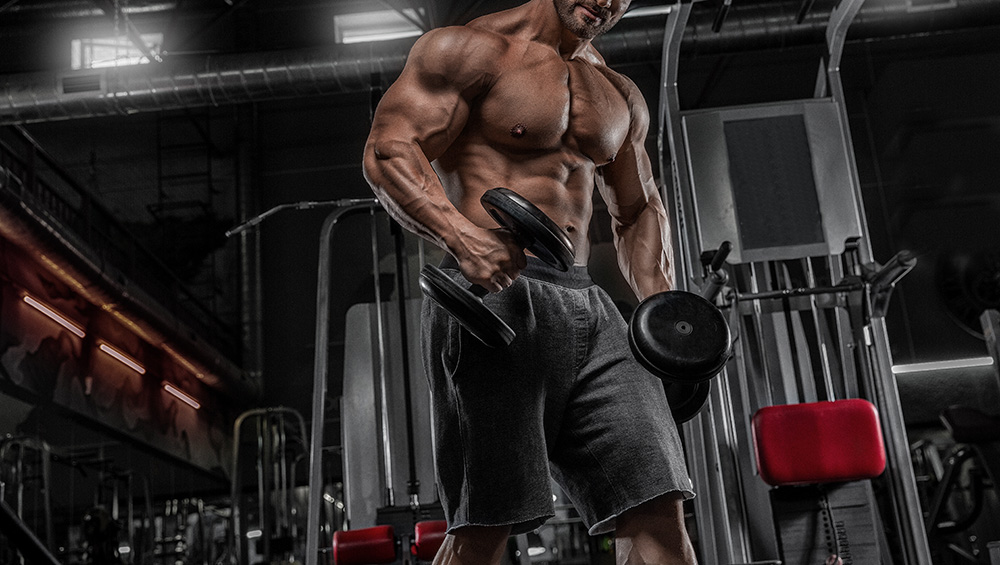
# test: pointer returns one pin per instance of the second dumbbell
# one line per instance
(532, 230)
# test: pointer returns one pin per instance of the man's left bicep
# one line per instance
(627, 184)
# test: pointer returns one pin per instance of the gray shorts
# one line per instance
(566, 398)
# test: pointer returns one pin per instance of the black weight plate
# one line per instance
(680, 336)
(686, 399)
(467, 309)
(535, 231)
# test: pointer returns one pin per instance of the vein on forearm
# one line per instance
(409, 189)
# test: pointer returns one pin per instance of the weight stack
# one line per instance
(365, 482)
(805, 533)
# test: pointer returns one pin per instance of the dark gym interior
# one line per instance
(169, 209)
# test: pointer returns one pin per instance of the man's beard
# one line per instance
(567, 14)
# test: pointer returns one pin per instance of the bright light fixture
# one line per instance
(124, 359)
(252, 534)
(97, 52)
(938, 365)
(378, 25)
(182, 396)
(54, 315)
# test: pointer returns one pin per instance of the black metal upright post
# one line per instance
(413, 483)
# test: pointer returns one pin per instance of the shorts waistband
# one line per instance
(576, 277)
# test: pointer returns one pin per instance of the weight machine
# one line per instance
(281, 445)
(806, 300)
(26, 468)
(319, 532)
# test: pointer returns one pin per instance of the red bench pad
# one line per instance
(818, 442)
(427, 538)
(364, 546)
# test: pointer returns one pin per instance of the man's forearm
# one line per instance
(410, 191)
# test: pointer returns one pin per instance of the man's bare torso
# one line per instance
(542, 127)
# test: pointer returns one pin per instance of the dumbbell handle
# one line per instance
(895, 269)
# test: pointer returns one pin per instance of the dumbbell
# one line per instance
(686, 399)
(533, 231)
(684, 339)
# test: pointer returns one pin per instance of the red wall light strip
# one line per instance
(183, 396)
(128, 362)
(58, 318)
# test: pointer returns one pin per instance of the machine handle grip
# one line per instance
(717, 278)
(720, 256)
(895, 269)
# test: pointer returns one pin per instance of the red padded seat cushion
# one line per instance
(427, 538)
(818, 442)
(364, 546)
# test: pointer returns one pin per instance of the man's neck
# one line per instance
(547, 28)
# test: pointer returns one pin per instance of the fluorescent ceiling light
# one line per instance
(938, 365)
(97, 52)
(379, 25)
(182, 396)
(55, 316)
(124, 359)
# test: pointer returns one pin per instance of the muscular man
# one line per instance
(521, 99)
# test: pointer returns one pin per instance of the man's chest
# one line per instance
(555, 105)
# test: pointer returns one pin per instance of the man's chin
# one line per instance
(584, 30)
(582, 26)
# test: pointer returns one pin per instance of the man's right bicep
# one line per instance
(411, 113)
(429, 102)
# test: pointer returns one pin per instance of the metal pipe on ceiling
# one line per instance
(771, 25)
(71, 9)
(256, 77)
(189, 82)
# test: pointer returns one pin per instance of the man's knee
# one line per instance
(665, 511)
(473, 545)
(654, 532)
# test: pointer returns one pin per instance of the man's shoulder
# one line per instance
(457, 55)
(461, 42)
